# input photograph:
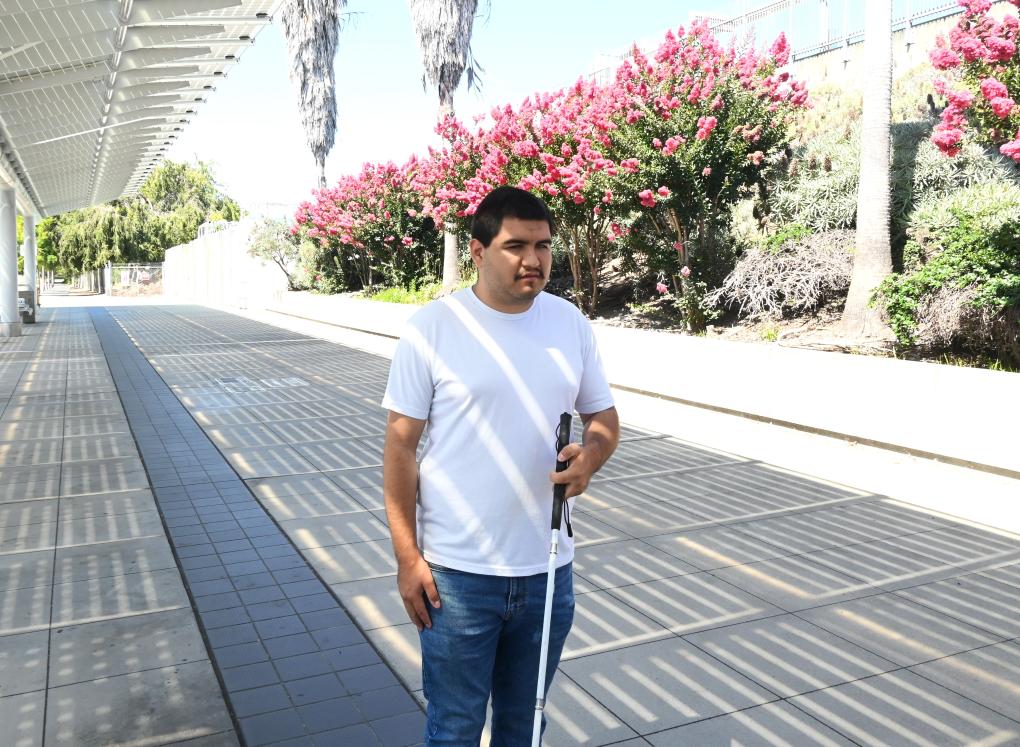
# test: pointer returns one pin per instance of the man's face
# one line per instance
(514, 268)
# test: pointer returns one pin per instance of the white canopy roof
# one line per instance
(92, 92)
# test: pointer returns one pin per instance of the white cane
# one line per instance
(559, 495)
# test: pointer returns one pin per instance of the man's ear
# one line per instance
(476, 248)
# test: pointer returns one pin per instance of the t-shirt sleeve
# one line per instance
(594, 394)
(410, 387)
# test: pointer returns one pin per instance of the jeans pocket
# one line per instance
(436, 568)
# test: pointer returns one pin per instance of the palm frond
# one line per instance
(312, 29)
(443, 28)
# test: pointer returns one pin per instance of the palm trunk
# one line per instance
(873, 257)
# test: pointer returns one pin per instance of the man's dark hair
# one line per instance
(507, 202)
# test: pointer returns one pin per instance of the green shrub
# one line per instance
(819, 187)
(960, 288)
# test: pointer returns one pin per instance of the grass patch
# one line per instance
(418, 294)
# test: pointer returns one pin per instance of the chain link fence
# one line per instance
(136, 280)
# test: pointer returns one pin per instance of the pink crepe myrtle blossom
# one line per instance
(780, 50)
(993, 89)
(1002, 106)
(756, 158)
(663, 192)
(961, 100)
(685, 271)
(672, 144)
(947, 139)
(661, 288)
(979, 57)
(1012, 148)
(679, 246)
(705, 127)
(707, 171)
(999, 49)
(976, 7)
(943, 59)
(647, 198)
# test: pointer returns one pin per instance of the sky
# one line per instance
(250, 131)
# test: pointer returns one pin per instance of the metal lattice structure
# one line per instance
(93, 92)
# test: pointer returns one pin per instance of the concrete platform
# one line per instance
(736, 583)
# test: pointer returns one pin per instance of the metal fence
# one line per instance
(136, 280)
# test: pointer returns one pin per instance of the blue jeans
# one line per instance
(486, 638)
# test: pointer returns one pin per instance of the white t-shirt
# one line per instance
(492, 387)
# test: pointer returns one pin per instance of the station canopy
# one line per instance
(93, 92)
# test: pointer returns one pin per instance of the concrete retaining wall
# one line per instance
(216, 269)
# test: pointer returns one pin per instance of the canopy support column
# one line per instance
(10, 318)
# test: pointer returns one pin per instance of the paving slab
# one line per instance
(625, 563)
(573, 717)
(773, 724)
(885, 710)
(23, 717)
(898, 629)
(975, 599)
(119, 710)
(715, 547)
(788, 655)
(663, 684)
(794, 582)
(81, 653)
(989, 675)
(23, 663)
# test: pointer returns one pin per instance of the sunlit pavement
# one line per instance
(734, 586)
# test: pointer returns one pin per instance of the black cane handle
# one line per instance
(560, 491)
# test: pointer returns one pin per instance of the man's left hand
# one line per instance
(583, 463)
(601, 435)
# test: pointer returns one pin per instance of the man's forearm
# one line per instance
(600, 436)
(400, 493)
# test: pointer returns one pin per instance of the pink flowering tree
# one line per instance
(559, 146)
(981, 81)
(641, 164)
(369, 229)
(703, 121)
(666, 146)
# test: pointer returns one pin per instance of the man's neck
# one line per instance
(495, 305)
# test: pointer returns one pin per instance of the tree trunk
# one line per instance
(451, 262)
(451, 247)
(873, 254)
(322, 174)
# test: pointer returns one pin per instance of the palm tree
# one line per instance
(311, 28)
(444, 28)
(873, 257)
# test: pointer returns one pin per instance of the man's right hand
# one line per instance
(415, 582)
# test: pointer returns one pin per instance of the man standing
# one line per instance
(489, 370)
